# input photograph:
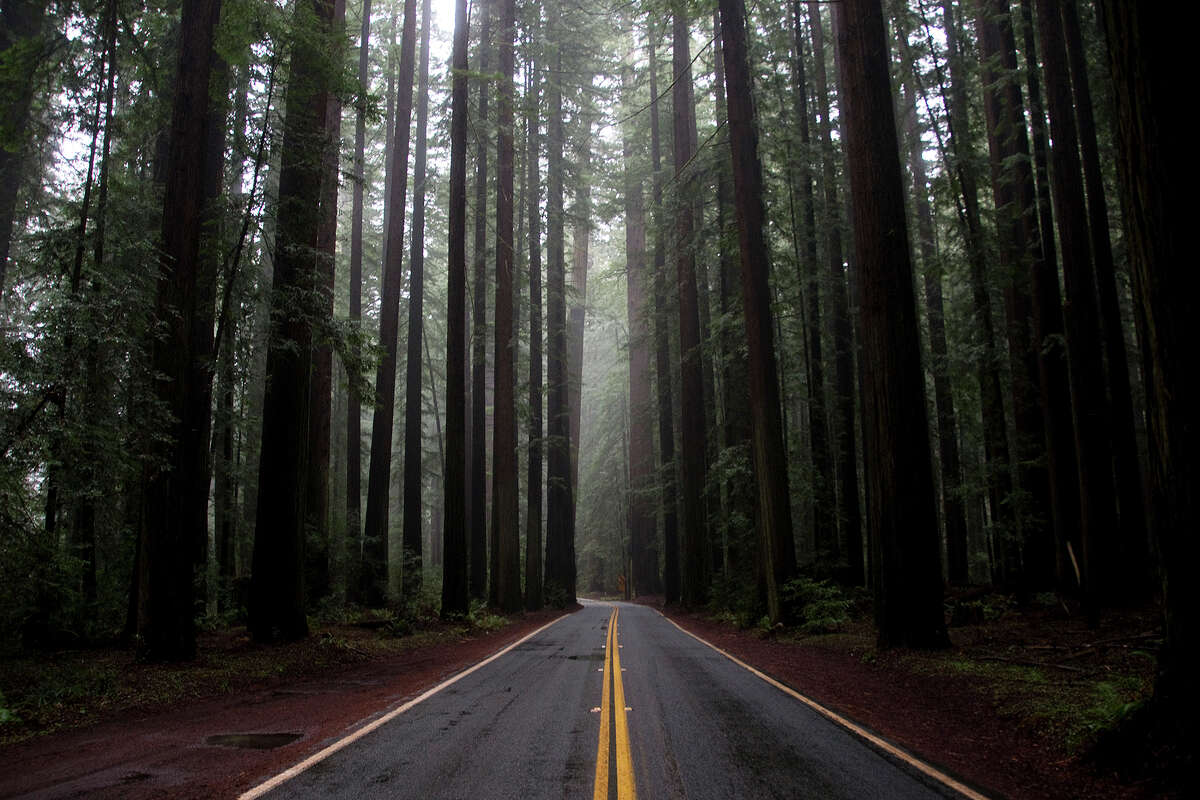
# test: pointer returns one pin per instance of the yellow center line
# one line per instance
(625, 785)
(616, 699)
(600, 790)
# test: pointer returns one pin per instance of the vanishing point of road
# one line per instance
(613, 701)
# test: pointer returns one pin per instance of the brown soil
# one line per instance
(162, 747)
(1009, 710)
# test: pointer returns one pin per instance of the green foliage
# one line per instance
(814, 606)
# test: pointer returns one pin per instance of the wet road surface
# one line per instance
(546, 720)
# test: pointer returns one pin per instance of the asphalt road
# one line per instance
(528, 725)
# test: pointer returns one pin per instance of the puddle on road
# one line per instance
(252, 741)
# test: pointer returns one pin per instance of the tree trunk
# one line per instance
(641, 444)
(1147, 52)
(505, 497)
(354, 365)
(1049, 332)
(1133, 545)
(662, 346)
(455, 589)
(412, 568)
(824, 503)
(770, 454)
(321, 381)
(1088, 399)
(847, 445)
(374, 581)
(478, 483)
(533, 519)
(175, 497)
(693, 434)
(736, 431)
(902, 516)
(560, 533)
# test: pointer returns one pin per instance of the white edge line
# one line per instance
(857, 730)
(350, 738)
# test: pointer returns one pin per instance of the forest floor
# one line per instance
(96, 722)
(1013, 708)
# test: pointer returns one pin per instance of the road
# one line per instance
(565, 714)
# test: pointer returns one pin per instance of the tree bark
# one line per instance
(560, 533)
(1147, 52)
(374, 581)
(1049, 332)
(693, 434)
(533, 518)
(354, 405)
(175, 497)
(902, 517)
(770, 455)
(479, 404)
(1098, 511)
(1133, 545)
(455, 588)
(850, 515)
(662, 347)
(505, 497)
(412, 569)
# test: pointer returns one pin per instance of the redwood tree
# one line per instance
(901, 513)
(455, 594)
(693, 434)
(373, 580)
(505, 499)
(412, 569)
(770, 456)
(175, 495)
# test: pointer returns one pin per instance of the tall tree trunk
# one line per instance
(1133, 545)
(479, 404)
(693, 434)
(770, 454)
(737, 429)
(847, 445)
(903, 519)
(1092, 417)
(374, 580)
(662, 347)
(455, 588)
(580, 239)
(321, 381)
(641, 444)
(533, 519)
(505, 497)
(175, 496)
(412, 568)
(1147, 52)
(560, 533)
(354, 406)
(824, 504)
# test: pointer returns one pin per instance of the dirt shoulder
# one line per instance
(1010, 710)
(169, 745)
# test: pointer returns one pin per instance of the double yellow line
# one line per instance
(613, 696)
